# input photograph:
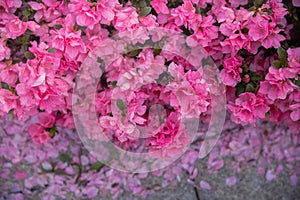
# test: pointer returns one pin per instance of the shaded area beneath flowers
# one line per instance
(249, 185)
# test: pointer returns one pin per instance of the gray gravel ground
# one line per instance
(249, 186)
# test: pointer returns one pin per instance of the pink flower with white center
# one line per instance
(46, 120)
(69, 42)
(126, 18)
(277, 84)
(38, 134)
(247, 108)
(160, 6)
(84, 13)
(15, 27)
(4, 51)
(231, 73)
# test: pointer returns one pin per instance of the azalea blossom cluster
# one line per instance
(62, 168)
(44, 44)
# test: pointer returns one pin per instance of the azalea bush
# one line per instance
(246, 51)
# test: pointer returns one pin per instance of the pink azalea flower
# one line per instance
(85, 14)
(276, 84)
(15, 27)
(69, 42)
(10, 5)
(126, 18)
(105, 8)
(46, 120)
(247, 108)
(38, 134)
(4, 51)
(160, 6)
(8, 101)
(231, 73)
(294, 60)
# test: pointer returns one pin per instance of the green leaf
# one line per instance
(164, 78)
(113, 84)
(121, 104)
(4, 85)
(277, 64)
(268, 114)
(280, 26)
(65, 158)
(58, 26)
(282, 54)
(256, 77)
(99, 60)
(143, 3)
(82, 28)
(52, 131)
(145, 11)
(26, 13)
(258, 3)
(135, 52)
(250, 88)
(29, 55)
(11, 113)
(96, 166)
(245, 30)
(52, 50)
(240, 88)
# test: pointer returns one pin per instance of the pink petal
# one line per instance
(231, 181)
(205, 185)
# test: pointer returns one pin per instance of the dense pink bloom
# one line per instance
(126, 18)
(160, 6)
(15, 27)
(46, 120)
(259, 28)
(247, 108)
(10, 5)
(231, 73)
(38, 134)
(69, 42)
(85, 14)
(4, 51)
(276, 84)
(8, 101)
(105, 8)
(294, 60)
